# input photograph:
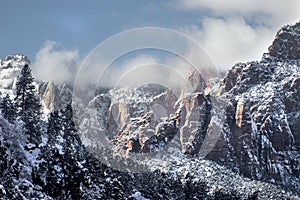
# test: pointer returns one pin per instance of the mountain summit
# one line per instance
(232, 138)
(286, 43)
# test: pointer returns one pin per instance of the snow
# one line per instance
(138, 196)
(60, 149)
(2, 189)
(45, 113)
(261, 95)
(32, 155)
(57, 168)
(10, 69)
(44, 142)
(81, 163)
(253, 126)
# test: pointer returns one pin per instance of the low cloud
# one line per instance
(267, 12)
(238, 30)
(53, 62)
(143, 69)
(228, 41)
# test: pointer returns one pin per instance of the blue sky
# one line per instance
(52, 33)
(26, 25)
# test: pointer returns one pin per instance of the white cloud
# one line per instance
(239, 30)
(228, 41)
(127, 73)
(271, 12)
(52, 62)
(143, 69)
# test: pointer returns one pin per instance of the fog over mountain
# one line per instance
(230, 137)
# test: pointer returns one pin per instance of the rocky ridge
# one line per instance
(259, 135)
(52, 96)
(260, 132)
(262, 121)
(10, 69)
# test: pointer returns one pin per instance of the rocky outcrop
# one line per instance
(260, 133)
(10, 69)
(48, 92)
(196, 80)
(149, 125)
(232, 75)
(54, 97)
(129, 103)
(286, 43)
(164, 104)
(145, 135)
(194, 115)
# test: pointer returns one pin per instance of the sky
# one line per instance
(57, 34)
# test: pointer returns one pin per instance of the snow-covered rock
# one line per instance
(262, 117)
(10, 69)
(249, 123)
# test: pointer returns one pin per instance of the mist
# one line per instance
(54, 63)
(237, 30)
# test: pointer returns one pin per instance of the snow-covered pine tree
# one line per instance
(15, 176)
(50, 174)
(63, 168)
(3, 161)
(8, 109)
(54, 127)
(28, 105)
(74, 156)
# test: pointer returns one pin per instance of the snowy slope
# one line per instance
(10, 69)
(255, 110)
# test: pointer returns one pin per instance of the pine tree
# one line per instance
(28, 105)
(74, 156)
(62, 169)
(3, 155)
(48, 174)
(54, 127)
(8, 109)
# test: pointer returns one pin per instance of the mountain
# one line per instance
(263, 119)
(254, 113)
(232, 138)
(10, 69)
(52, 96)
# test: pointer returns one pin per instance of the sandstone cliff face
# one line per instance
(249, 121)
(194, 115)
(146, 119)
(196, 81)
(10, 69)
(48, 92)
(262, 121)
(54, 97)
(260, 133)
(259, 125)
(286, 43)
